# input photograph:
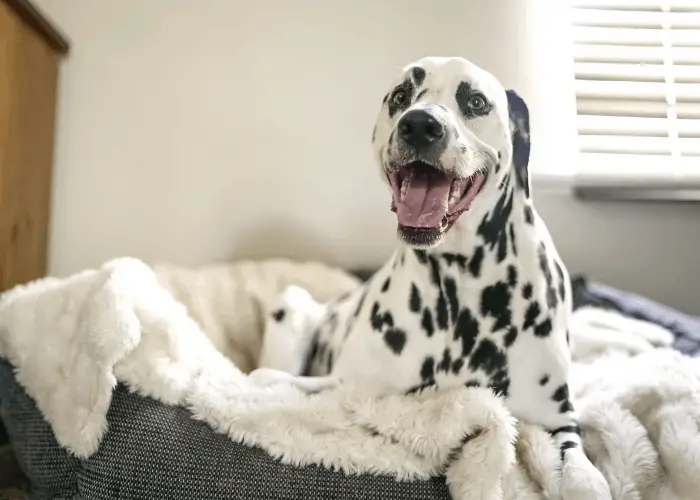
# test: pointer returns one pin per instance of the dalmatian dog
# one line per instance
(475, 293)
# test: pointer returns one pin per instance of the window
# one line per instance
(637, 81)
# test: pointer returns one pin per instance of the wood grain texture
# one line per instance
(28, 80)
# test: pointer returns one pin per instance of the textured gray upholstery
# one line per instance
(157, 452)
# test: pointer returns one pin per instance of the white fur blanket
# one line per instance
(188, 337)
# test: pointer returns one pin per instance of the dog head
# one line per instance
(445, 130)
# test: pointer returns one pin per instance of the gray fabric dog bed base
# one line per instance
(157, 452)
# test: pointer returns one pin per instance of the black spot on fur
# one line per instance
(421, 94)
(510, 337)
(386, 285)
(505, 182)
(487, 357)
(547, 273)
(466, 330)
(531, 314)
(420, 388)
(527, 290)
(427, 322)
(566, 445)
(493, 226)
(427, 370)
(500, 382)
(415, 301)
(571, 429)
(378, 320)
(544, 329)
(449, 258)
(544, 380)
(561, 393)
(566, 407)
(422, 256)
(446, 363)
(418, 75)
(495, 302)
(512, 276)
(279, 315)
(457, 366)
(434, 270)
(461, 262)
(562, 280)
(462, 95)
(476, 261)
(513, 243)
(529, 216)
(375, 318)
(567, 337)
(472, 383)
(441, 312)
(395, 339)
(451, 292)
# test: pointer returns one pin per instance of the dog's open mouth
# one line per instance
(427, 201)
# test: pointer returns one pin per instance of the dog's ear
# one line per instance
(520, 134)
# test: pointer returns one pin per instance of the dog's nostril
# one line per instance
(419, 128)
(405, 128)
(435, 129)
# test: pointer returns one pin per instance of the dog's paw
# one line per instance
(582, 481)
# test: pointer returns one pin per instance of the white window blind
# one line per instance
(637, 81)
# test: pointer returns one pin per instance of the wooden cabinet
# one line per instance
(30, 52)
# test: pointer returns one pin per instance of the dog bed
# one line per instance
(110, 388)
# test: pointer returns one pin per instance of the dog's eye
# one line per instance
(398, 97)
(477, 102)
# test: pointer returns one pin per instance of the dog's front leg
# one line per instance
(580, 479)
(554, 411)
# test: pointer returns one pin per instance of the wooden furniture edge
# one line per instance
(36, 20)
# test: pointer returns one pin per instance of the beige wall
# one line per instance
(199, 131)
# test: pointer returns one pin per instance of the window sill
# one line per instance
(626, 178)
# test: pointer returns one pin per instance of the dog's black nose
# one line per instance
(419, 129)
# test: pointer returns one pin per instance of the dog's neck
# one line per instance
(503, 201)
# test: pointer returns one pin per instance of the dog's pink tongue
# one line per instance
(425, 203)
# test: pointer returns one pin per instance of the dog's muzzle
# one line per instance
(427, 196)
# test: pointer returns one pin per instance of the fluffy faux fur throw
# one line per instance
(188, 337)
